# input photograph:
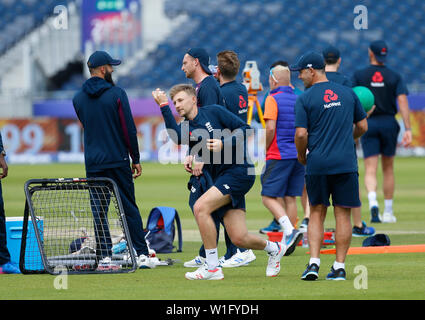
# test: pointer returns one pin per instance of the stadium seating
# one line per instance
(259, 30)
(266, 31)
(18, 18)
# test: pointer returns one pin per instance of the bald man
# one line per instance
(283, 177)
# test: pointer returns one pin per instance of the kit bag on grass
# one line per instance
(161, 229)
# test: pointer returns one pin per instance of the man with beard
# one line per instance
(110, 140)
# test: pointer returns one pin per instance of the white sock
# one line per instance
(212, 258)
(286, 225)
(372, 199)
(314, 260)
(388, 205)
(339, 265)
(271, 247)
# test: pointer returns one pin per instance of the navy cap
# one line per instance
(202, 56)
(331, 53)
(101, 58)
(310, 59)
(378, 240)
(379, 49)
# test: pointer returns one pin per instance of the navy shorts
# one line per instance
(344, 189)
(381, 136)
(283, 178)
(236, 183)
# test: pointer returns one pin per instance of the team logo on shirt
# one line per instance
(242, 105)
(330, 98)
(242, 102)
(377, 80)
(192, 137)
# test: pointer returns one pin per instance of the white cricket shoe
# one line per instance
(239, 259)
(145, 262)
(202, 273)
(388, 217)
(195, 262)
(273, 265)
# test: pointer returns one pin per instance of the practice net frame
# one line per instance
(73, 224)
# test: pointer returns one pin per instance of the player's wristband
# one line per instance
(163, 104)
(408, 129)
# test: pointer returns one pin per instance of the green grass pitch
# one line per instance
(384, 276)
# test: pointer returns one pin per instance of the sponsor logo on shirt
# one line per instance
(242, 102)
(330, 98)
(192, 137)
(377, 80)
(242, 105)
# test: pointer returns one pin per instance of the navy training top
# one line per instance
(337, 77)
(236, 99)
(328, 110)
(208, 92)
(212, 121)
(110, 134)
(385, 84)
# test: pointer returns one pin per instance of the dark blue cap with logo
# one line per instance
(331, 53)
(101, 58)
(310, 59)
(379, 49)
(202, 56)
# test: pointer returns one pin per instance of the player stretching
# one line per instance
(230, 176)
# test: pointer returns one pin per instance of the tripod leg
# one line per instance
(260, 113)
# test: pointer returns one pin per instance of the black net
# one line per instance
(78, 227)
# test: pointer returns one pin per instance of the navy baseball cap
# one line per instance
(101, 58)
(310, 59)
(331, 53)
(202, 56)
(379, 49)
(378, 240)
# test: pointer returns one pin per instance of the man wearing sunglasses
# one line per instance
(283, 177)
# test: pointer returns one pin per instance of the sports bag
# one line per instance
(161, 229)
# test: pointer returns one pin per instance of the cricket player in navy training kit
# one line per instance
(196, 67)
(389, 90)
(110, 140)
(204, 130)
(332, 58)
(324, 117)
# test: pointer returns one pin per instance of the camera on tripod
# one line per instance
(251, 77)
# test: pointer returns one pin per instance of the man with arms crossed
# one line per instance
(324, 119)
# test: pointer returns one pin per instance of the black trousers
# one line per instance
(123, 178)
(4, 252)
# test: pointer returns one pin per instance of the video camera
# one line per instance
(251, 77)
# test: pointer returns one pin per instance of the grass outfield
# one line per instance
(389, 276)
